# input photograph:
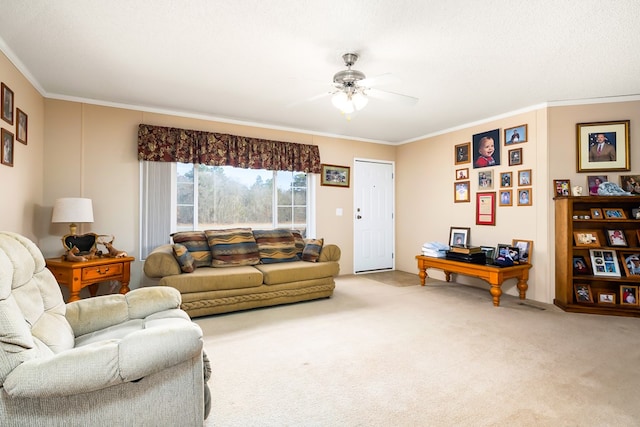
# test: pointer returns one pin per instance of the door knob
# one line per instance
(358, 217)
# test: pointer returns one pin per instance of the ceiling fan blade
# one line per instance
(378, 80)
(391, 96)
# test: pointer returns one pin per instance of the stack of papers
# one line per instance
(435, 249)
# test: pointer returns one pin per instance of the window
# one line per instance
(223, 196)
(179, 196)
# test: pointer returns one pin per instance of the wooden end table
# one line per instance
(78, 275)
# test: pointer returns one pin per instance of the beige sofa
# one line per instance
(223, 281)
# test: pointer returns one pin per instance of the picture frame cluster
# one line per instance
(483, 152)
(18, 128)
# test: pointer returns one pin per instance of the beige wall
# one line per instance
(21, 186)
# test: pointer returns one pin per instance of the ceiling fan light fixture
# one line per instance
(360, 100)
(342, 102)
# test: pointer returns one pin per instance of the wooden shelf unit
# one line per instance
(565, 210)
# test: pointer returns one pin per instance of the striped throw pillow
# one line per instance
(196, 244)
(184, 258)
(232, 247)
(312, 249)
(276, 245)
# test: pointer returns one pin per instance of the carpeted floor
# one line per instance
(440, 355)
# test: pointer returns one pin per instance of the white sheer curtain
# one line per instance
(157, 193)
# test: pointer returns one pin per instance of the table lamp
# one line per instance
(72, 210)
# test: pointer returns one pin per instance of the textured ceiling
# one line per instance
(266, 62)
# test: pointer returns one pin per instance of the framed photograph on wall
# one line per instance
(6, 152)
(594, 181)
(515, 157)
(506, 198)
(524, 177)
(462, 174)
(604, 262)
(603, 146)
(506, 179)
(515, 135)
(459, 236)
(461, 153)
(461, 192)
(22, 128)
(333, 175)
(486, 149)
(524, 197)
(7, 103)
(486, 208)
(485, 180)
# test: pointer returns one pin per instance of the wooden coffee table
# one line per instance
(492, 274)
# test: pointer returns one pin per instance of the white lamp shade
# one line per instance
(360, 100)
(72, 209)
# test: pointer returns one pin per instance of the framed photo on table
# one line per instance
(628, 295)
(459, 236)
(630, 183)
(586, 238)
(616, 238)
(631, 263)
(614, 213)
(603, 146)
(583, 293)
(526, 249)
(606, 298)
(580, 265)
(486, 208)
(594, 181)
(333, 175)
(561, 187)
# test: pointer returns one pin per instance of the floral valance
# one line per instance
(166, 144)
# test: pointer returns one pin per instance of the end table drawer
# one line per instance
(102, 271)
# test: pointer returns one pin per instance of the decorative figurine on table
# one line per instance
(577, 190)
(111, 251)
(72, 255)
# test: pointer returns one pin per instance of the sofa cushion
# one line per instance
(276, 246)
(232, 247)
(214, 279)
(312, 250)
(296, 271)
(196, 244)
(184, 258)
(299, 242)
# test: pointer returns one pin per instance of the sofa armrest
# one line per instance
(106, 363)
(161, 262)
(329, 252)
(92, 314)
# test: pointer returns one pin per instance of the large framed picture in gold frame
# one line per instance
(603, 146)
(333, 175)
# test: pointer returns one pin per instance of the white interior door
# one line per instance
(374, 215)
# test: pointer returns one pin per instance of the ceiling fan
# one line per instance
(352, 88)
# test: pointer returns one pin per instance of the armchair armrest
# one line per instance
(161, 262)
(89, 315)
(107, 363)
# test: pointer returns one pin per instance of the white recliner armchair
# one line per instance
(114, 360)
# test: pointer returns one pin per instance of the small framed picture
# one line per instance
(515, 135)
(606, 298)
(586, 238)
(583, 293)
(507, 255)
(461, 153)
(604, 262)
(21, 133)
(631, 263)
(561, 187)
(7, 148)
(506, 179)
(524, 177)
(630, 183)
(616, 238)
(525, 248)
(524, 197)
(485, 180)
(7, 104)
(614, 213)
(337, 176)
(580, 265)
(596, 213)
(459, 236)
(594, 181)
(515, 157)
(462, 174)
(505, 198)
(461, 192)
(628, 295)
(486, 149)
(603, 146)
(635, 213)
